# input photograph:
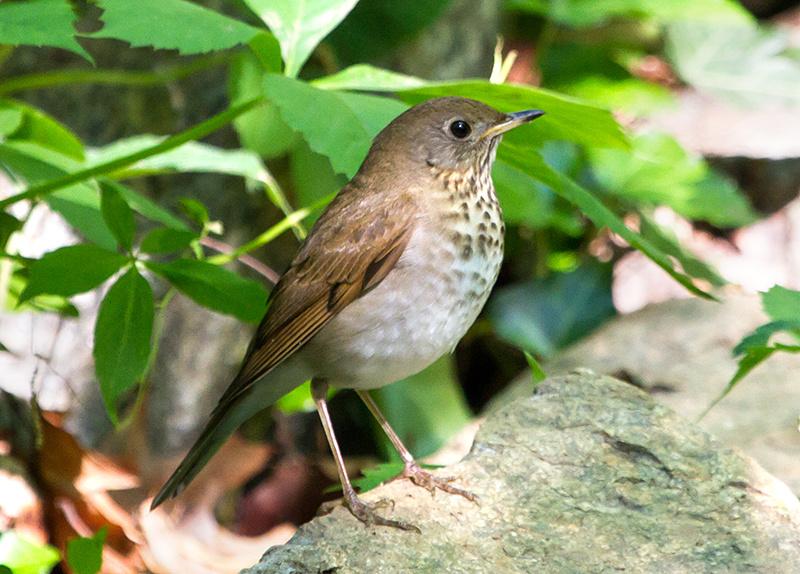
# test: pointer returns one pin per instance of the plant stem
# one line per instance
(111, 77)
(199, 131)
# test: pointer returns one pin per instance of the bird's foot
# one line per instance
(422, 478)
(366, 512)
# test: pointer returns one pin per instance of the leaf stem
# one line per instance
(111, 77)
(272, 232)
(199, 131)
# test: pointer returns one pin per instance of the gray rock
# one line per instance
(589, 475)
(681, 352)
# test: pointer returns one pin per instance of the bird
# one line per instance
(389, 278)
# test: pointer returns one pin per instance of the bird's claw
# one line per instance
(424, 479)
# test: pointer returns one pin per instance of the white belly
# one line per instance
(414, 316)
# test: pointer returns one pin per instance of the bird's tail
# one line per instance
(225, 419)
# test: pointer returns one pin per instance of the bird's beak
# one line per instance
(512, 121)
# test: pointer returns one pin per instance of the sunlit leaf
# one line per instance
(39, 128)
(522, 198)
(172, 25)
(782, 304)
(10, 118)
(374, 112)
(369, 79)
(24, 557)
(85, 555)
(262, 129)
(328, 124)
(122, 337)
(300, 25)
(530, 162)
(147, 208)
(313, 176)
(659, 172)
(749, 66)
(536, 370)
(762, 334)
(39, 23)
(79, 203)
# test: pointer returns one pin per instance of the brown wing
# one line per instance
(352, 247)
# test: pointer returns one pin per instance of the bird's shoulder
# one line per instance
(361, 225)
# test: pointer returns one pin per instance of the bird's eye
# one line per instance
(460, 129)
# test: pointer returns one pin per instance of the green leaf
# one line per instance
(298, 400)
(374, 477)
(663, 239)
(583, 13)
(72, 270)
(543, 315)
(659, 172)
(196, 132)
(748, 66)
(262, 129)
(147, 208)
(754, 357)
(630, 95)
(37, 127)
(24, 557)
(117, 215)
(328, 124)
(368, 78)
(165, 240)
(8, 226)
(11, 117)
(79, 204)
(122, 337)
(267, 50)
(536, 370)
(300, 25)
(39, 23)
(531, 163)
(195, 211)
(781, 304)
(172, 25)
(85, 555)
(41, 303)
(761, 336)
(565, 119)
(426, 409)
(374, 112)
(190, 157)
(522, 199)
(215, 287)
(312, 175)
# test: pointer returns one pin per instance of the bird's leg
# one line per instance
(411, 468)
(364, 512)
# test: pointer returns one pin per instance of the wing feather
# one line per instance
(336, 265)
